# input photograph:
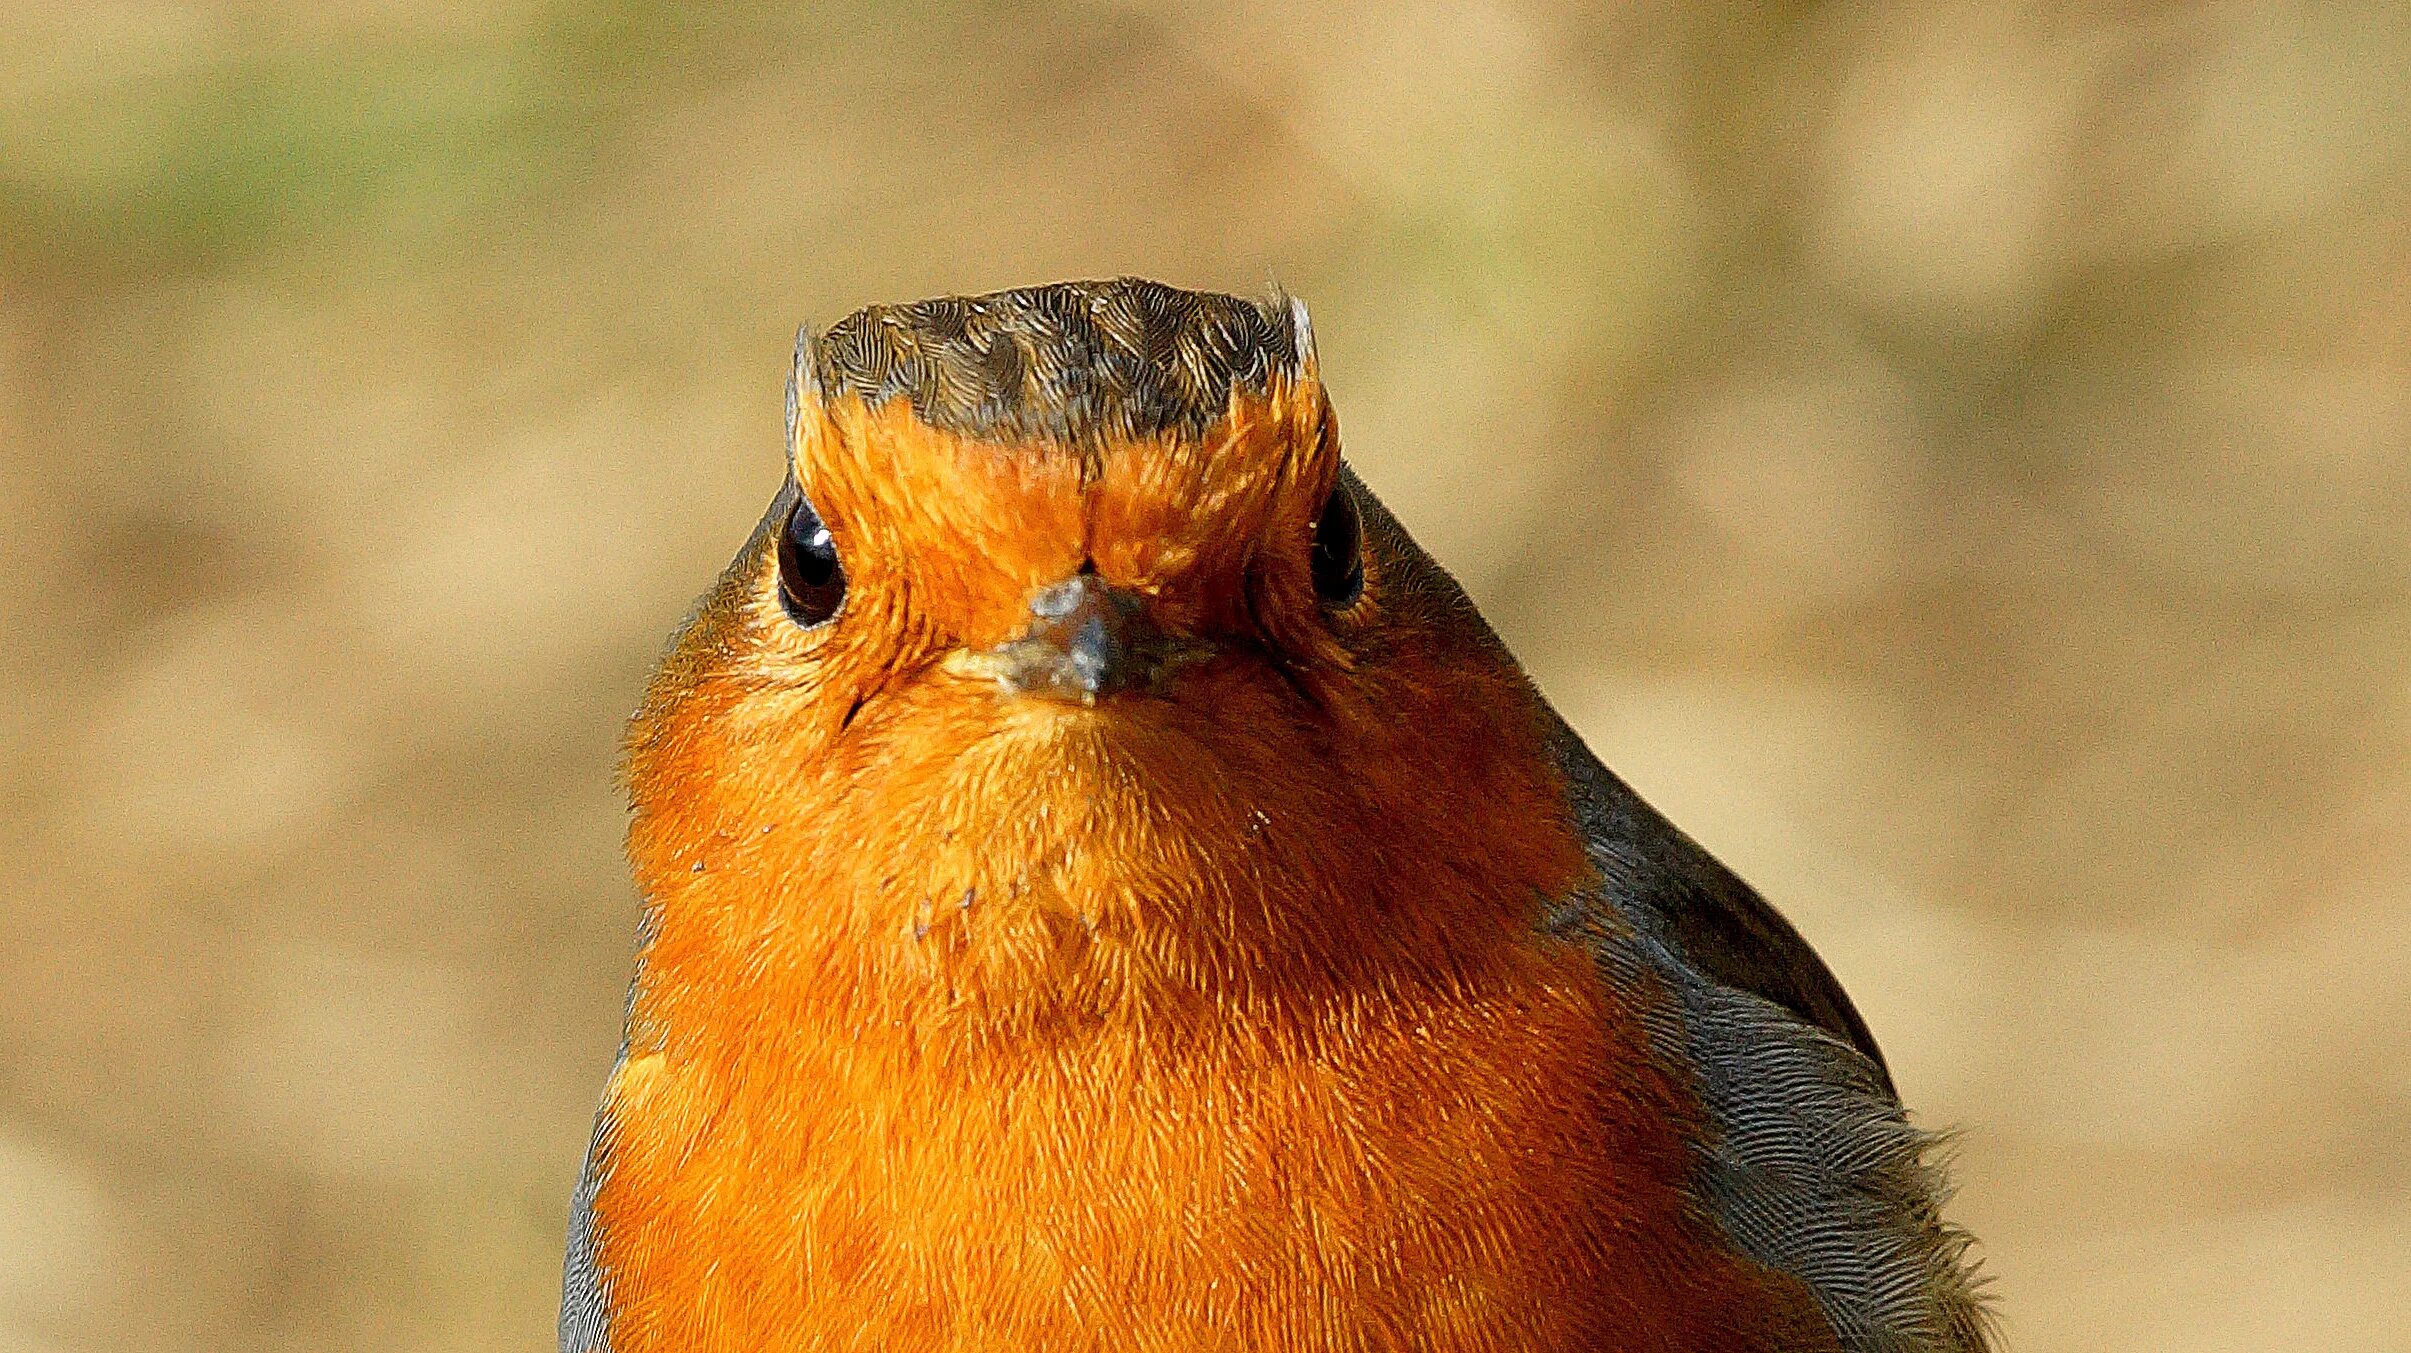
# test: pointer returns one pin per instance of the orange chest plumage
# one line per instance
(1496, 1169)
(997, 1097)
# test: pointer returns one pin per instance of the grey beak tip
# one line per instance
(1086, 640)
(1094, 655)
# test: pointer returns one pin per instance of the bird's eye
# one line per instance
(812, 583)
(1338, 554)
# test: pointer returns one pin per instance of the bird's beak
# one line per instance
(1087, 639)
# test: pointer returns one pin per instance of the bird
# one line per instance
(1104, 886)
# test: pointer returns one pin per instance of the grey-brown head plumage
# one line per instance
(1071, 362)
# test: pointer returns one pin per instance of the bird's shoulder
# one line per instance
(1807, 1162)
(1704, 913)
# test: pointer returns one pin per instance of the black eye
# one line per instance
(1338, 555)
(811, 581)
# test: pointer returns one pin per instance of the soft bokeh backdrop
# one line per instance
(1954, 458)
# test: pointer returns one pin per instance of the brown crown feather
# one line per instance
(1071, 362)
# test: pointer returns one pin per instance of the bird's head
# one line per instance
(1071, 670)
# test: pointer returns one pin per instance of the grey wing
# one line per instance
(584, 1328)
(1810, 1165)
(1716, 922)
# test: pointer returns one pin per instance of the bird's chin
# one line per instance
(1186, 771)
(1071, 749)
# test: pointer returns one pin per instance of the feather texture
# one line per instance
(1327, 997)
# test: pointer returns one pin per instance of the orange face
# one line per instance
(887, 792)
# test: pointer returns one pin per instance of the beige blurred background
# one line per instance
(1952, 458)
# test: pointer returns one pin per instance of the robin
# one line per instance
(1106, 888)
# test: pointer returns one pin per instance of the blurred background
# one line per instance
(1953, 458)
